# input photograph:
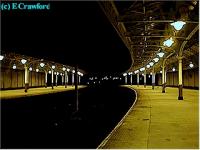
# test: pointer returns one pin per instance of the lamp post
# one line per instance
(23, 61)
(73, 71)
(125, 77)
(180, 80)
(52, 75)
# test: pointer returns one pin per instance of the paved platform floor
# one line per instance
(9, 94)
(158, 120)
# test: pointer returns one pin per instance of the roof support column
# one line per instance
(66, 79)
(72, 79)
(52, 75)
(180, 82)
(45, 78)
(153, 78)
(126, 79)
(138, 79)
(145, 78)
(26, 78)
(163, 79)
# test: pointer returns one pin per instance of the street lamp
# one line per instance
(49, 71)
(161, 71)
(42, 65)
(73, 71)
(68, 69)
(173, 69)
(124, 74)
(30, 69)
(178, 25)
(23, 61)
(148, 66)
(168, 42)
(156, 59)
(53, 67)
(151, 63)
(161, 54)
(191, 65)
(37, 70)
(1, 57)
(14, 66)
(63, 68)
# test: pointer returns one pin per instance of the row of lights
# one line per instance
(24, 61)
(178, 25)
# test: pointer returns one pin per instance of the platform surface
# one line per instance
(158, 120)
(10, 94)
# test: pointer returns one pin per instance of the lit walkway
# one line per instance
(158, 120)
(8, 94)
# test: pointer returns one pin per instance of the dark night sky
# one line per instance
(70, 33)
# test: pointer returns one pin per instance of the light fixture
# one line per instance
(78, 73)
(142, 69)
(49, 72)
(68, 69)
(173, 69)
(63, 68)
(161, 71)
(53, 67)
(30, 69)
(151, 73)
(23, 61)
(161, 54)
(151, 63)
(42, 65)
(125, 74)
(148, 66)
(149, 76)
(136, 71)
(1, 57)
(178, 25)
(37, 70)
(168, 42)
(130, 73)
(61, 74)
(191, 65)
(156, 59)
(73, 71)
(14, 66)
(57, 73)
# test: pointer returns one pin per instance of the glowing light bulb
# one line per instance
(178, 25)
(23, 61)
(168, 42)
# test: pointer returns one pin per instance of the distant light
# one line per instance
(1, 57)
(149, 76)
(143, 74)
(191, 65)
(73, 71)
(61, 74)
(151, 73)
(30, 69)
(130, 73)
(68, 69)
(57, 73)
(14, 66)
(161, 71)
(148, 66)
(53, 67)
(168, 42)
(173, 69)
(151, 63)
(63, 68)
(49, 72)
(161, 54)
(78, 73)
(125, 74)
(23, 61)
(178, 25)
(136, 71)
(81, 74)
(37, 70)
(95, 78)
(42, 65)
(142, 69)
(156, 59)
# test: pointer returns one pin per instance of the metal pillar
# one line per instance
(145, 78)
(163, 79)
(131, 79)
(72, 79)
(52, 75)
(62, 79)
(56, 79)
(126, 79)
(76, 88)
(153, 78)
(66, 79)
(138, 79)
(46, 78)
(26, 78)
(180, 81)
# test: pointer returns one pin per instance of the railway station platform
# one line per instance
(158, 120)
(9, 94)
